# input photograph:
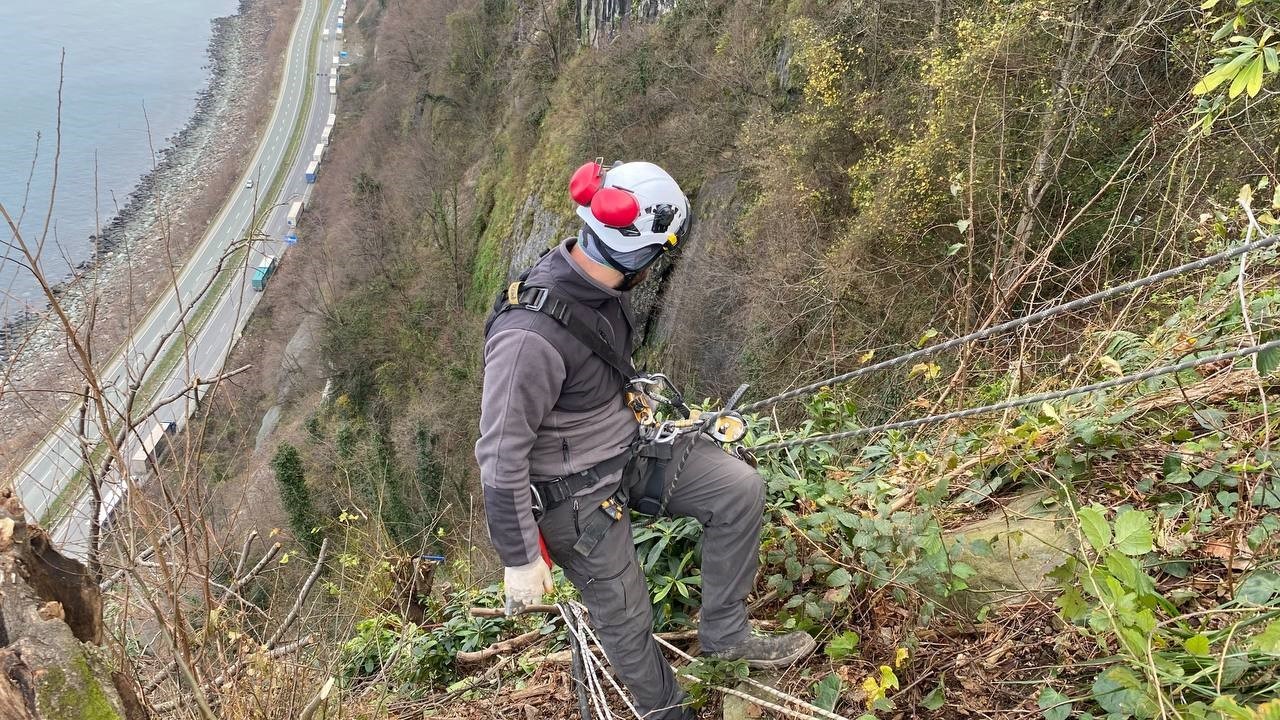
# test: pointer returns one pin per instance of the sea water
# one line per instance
(132, 72)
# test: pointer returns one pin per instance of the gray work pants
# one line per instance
(726, 496)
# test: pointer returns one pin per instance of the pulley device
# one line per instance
(658, 438)
(653, 390)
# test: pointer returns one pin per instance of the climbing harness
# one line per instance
(645, 395)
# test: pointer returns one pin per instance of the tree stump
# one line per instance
(50, 626)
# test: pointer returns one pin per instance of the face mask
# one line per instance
(626, 263)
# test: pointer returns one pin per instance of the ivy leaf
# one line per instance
(1268, 361)
(826, 692)
(1048, 411)
(1110, 364)
(1072, 604)
(1197, 644)
(1119, 691)
(1267, 641)
(928, 370)
(1229, 708)
(1094, 525)
(1133, 533)
(936, 698)
(843, 645)
(1245, 197)
(888, 680)
(963, 225)
(1054, 705)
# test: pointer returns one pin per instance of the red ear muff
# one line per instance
(615, 207)
(585, 182)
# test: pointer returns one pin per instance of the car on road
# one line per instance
(248, 185)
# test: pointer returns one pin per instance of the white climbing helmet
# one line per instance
(631, 205)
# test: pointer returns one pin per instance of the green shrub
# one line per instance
(296, 497)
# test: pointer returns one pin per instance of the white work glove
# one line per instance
(526, 584)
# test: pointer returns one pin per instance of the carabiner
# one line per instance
(666, 432)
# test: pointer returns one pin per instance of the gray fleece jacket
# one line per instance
(549, 407)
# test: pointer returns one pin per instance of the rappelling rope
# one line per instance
(1016, 323)
(580, 613)
(575, 618)
(1025, 400)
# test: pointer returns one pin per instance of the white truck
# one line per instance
(154, 442)
(294, 211)
(318, 155)
(333, 86)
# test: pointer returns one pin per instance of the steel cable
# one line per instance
(1017, 322)
(1022, 401)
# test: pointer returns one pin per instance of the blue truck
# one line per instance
(264, 271)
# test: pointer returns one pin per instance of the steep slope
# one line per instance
(868, 178)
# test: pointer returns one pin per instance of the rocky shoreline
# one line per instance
(162, 218)
(208, 135)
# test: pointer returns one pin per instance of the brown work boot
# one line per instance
(769, 651)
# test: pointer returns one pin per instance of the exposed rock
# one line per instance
(269, 420)
(599, 21)
(700, 294)
(299, 364)
(1029, 537)
(537, 229)
(50, 620)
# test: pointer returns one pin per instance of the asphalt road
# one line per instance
(50, 472)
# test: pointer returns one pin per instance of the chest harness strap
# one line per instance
(654, 444)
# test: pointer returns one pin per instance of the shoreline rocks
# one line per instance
(180, 172)
(162, 219)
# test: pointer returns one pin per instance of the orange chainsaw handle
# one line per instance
(546, 556)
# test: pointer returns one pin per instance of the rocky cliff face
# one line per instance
(599, 21)
(50, 625)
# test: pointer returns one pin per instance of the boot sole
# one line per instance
(782, 662)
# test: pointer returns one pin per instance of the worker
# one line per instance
(560, 455)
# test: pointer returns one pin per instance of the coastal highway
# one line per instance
(51, 483)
